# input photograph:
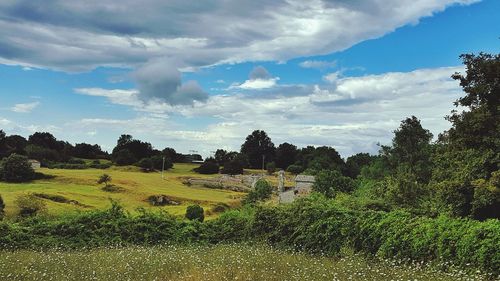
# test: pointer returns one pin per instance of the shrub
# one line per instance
(208, 167)
(2, 208)
(262, 191)
(30, 205)
(124, 157)
(271, 168)
(146, 164)
(330, 182)
(158, 162)
(233, 167)
(16, 168)
(195, 212)
(294, 169)
(104, 178)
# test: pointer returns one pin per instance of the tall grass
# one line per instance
(221, 262)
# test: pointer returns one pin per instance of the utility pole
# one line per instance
(163, 168)
(263, 161)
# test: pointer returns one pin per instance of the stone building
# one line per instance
(303, 186)
(35, 164)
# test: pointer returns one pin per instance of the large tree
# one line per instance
(286, 154)
(479, 126)
(411, 148)
(259, 149)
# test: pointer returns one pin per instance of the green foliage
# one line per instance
(356, 162)
(294, 169)
(2, 207)
(208, 167)
(404, 190)
(124, 157)
(330, 183)
(146, 165)
(271, 168)
(16, 168)
(263, 191)
(258, 148)
(30, 205)
(104, 178)
(195, 212)
(286, 155)
(233, 167)
(486, 200)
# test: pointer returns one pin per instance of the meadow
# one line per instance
(81, 186)
(219, 262)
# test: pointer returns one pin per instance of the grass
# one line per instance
(81, 185)
(221, 262)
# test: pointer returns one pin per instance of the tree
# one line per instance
(286, 155)
(2, 208)
(259, 149)
(330, 182)
(134, 147)
(146, 164)
(295, 169)
(271, 168)
(479, 126)
(411, 149)
(124, 157)
(104, 178)
(208, 167)
(46, 140)
(263, 190)
(16, 168)
(356, 162)
(195, 212)
(88, 151)
(232, 167)
(321, 158)
(221, 156)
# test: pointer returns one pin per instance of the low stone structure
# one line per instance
(35, 164)
(303, 186)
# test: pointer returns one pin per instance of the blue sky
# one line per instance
(193, 77)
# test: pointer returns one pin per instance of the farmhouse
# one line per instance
(35, 164)
(303, 186)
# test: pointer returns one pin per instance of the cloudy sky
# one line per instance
(201, 75)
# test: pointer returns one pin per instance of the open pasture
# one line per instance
(137, 186)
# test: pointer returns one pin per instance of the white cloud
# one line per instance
(72, 36)
(24, 107)
(318, 64)
(352, 114)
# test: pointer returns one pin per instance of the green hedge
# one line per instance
(314, 225)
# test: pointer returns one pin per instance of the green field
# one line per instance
(222, 262)
(81, 185)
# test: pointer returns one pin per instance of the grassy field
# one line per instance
(81, 185)
(222, 262)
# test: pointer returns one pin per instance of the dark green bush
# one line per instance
(195, 212)
(295, 169)
(233, 167)
(330, 182)
(262, 191)
(30, 205)
(208, 167)
(2, 207)
(16, 168)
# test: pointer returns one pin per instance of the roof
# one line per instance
(33, 161)
(304, 178)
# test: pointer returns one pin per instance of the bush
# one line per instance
(330, 183)
(195, 212)
(146, 165)
(2, 208)
(30, 205)
(104, 178)
(233, 167)
(16, 168)
(294, 169)
(158, 162)
(208, 167)
(263, 191)
(124, 157)
(271, 168)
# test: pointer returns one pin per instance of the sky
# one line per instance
(202, 75)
